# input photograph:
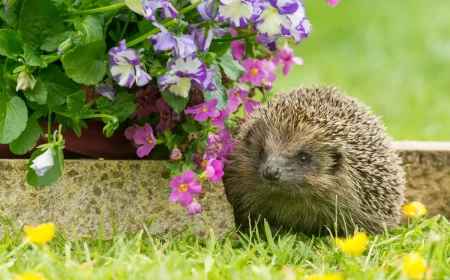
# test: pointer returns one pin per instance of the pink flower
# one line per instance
(214, 170)
(176, 155)
(258, 71)
(237, 47)
(219, 121)
(214, 147)
(194, 208)
(204, 110)
(130, 131)
(234, 99)
(165, 115)
(333, 3)
(146, 102)
(249, 103)
(183, 187)
(286, 57)
(145, 140)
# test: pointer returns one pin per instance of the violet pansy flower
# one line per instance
(125, 66)
(181, 73)
(183, 188)
(204, 36)
(106, 89)
(150, 6)
(237, 12)
(181, 46)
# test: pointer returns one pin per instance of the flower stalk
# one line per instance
(100, 10)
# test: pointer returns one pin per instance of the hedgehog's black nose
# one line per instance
(272, 173)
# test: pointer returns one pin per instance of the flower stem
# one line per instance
(52, 59)
(230, 39)
(101, 10)
(165, 24)
(49, 125)
(94, 116)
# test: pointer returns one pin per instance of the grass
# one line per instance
(393, 55)
(142, 256)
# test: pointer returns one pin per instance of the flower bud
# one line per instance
(43, 163)
(194, 208)
(25, 81)
(65, 46)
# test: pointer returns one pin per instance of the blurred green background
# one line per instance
(392, 55)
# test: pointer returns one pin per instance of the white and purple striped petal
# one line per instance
(273, 20)
(168, 11)
(106, 89)
(142, 78)
(149, 8)
(181, 46)
(236, 12)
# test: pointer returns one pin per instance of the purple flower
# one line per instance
(183, 187)
(286, 57)
(125, 66)
(181, 73)
(258, 71)
(234, 98)
(249, 103)
(165, 115)
(176, 155)
(106, 89)
(131, 131)
(208, 9)
(237, 12)
(204, 110)
(219, 121)
(146, 102)
(150, 6)
(145, 140)
(237, 47)
(194, 208)
(182, 46)
(227, 143)
(214, 148)
(214, 170)
(204, 36)
(301, 30)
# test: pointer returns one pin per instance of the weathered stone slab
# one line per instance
(427, 167)
(131, 193)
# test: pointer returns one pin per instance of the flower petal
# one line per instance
(174, 195)
(186, 198)
(176, 182)
(188, 176)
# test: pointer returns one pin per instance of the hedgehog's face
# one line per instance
(293, 162)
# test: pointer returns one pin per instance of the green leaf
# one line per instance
(122, 107)
(28, 139)
(38, 94)
(57, 85)
(10, 15)
(220, 93)
(75, 102)
(10, 43)
(33, 59)
(13, 118)
(177, 103)
(232, 68)
(220, 48)
(51, 175)
(84, 64)
(91, 28)
(39, 23)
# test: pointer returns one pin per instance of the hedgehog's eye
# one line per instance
(303, 157)
(262, 153)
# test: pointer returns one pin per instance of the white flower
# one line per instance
(43, 163)
(25, 81)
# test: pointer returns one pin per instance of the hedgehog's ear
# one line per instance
(336, 159)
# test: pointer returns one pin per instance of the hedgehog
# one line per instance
(314, 159)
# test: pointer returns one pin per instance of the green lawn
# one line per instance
(393, 55)
(144, 257)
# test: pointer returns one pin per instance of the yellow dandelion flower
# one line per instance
(414, 265)
(354, 245)
(29, 276)
(414, 209)
(332, 276)
(41, 234)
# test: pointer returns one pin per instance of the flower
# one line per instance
(354, 245)
(149, 8)
(214, 170)
(176, 155)
(43, 163)
(204, 36)
(236, 12)
(194, 208)
(125, 66)
(331, 276)
(130, 131)
(286, 57)
(204, 110)
(41, 234)
(145, 140)
(183, 187)
(29, 276)
(181, 73)
(208, 9)
(106, 89)
(65, 46)
(165, 115)
(25, 81)
(182, 47)
(333, 3)
(237, 47)
(249, 104)
(234, 99)
(258, 71)
(146, 102)
(414, 265)
(414, 209)
(220, 120)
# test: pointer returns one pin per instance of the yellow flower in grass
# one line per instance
(332, 276)
(41, 234)
(414, 209)
(414, 266)
(29, 276)
(354, 245)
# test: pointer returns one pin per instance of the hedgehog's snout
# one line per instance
(272, 173)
